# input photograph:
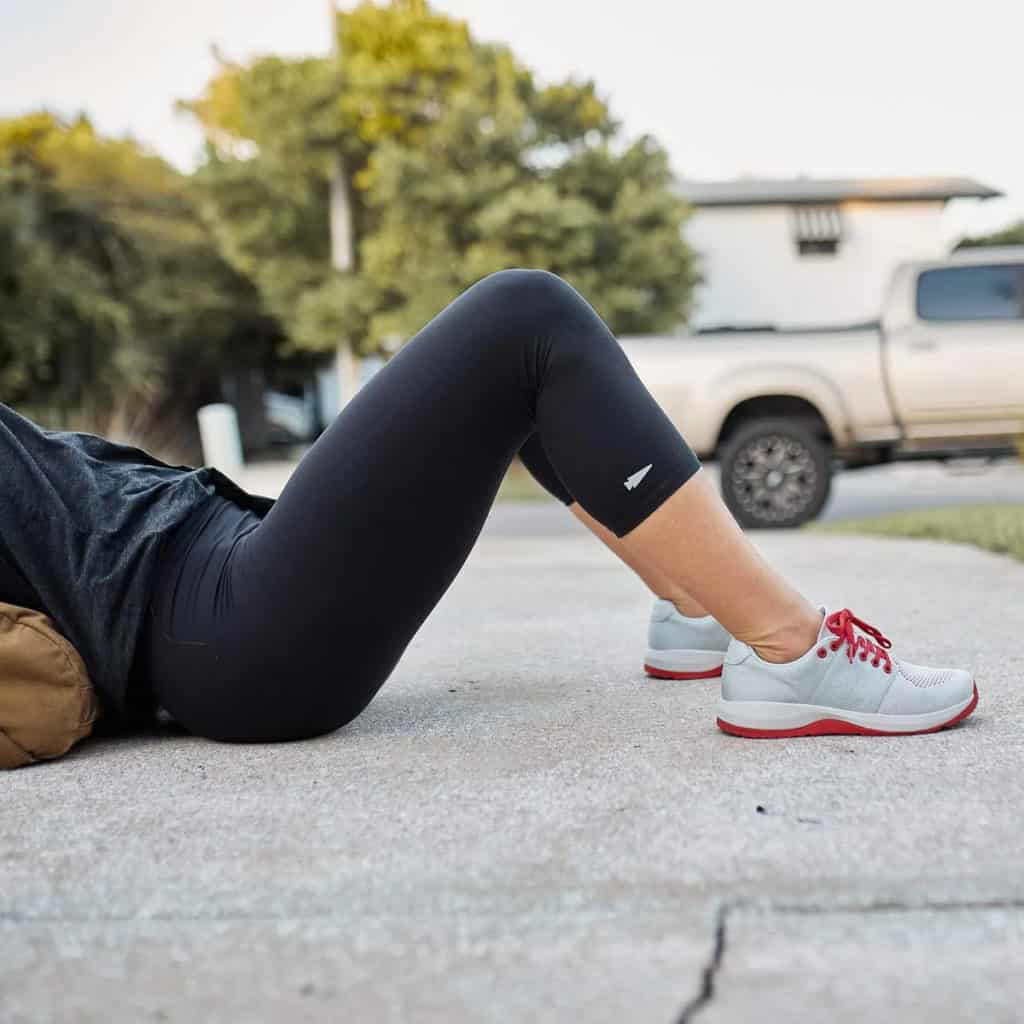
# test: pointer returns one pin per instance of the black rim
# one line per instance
(774, 478)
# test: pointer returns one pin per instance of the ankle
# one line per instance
(790, 640)
(687, 607)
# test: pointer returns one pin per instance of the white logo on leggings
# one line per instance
(634, 480)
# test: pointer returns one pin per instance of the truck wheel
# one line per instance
(776, 473)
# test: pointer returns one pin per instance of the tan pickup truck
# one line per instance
(940, 375)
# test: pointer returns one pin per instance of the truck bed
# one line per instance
(699, 379)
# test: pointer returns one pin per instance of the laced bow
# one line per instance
(841, 624)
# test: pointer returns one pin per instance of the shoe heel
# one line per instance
(664, 673)
(683, 664)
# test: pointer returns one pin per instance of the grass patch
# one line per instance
(998, 528)
(518, 485)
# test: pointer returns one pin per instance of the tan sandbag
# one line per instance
(47, 703)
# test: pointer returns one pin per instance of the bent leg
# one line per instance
(371, 529)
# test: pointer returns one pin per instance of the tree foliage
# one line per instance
(457, 163)
(118, 312)
(1012, 235)
(128, 288)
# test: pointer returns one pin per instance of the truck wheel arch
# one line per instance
(775, 407)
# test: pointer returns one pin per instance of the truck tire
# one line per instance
(776, 473)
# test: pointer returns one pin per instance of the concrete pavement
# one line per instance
(864, 492)
(522, 826)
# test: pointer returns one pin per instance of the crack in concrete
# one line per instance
(710, 971)
(720, 936)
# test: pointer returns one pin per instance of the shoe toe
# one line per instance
(961, 686)
(931, 689)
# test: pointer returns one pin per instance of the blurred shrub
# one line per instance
(1012, 235)
(118, 313)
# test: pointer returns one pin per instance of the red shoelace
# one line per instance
(841, 624)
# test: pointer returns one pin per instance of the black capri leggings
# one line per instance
(285, 627)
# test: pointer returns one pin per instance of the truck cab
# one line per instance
(953, 348)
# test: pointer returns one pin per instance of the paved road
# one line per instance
(523, 827)
(865, 492)
(898, 487)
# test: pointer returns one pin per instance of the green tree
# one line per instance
(458, 163)
(1011, 235)
(119, 314)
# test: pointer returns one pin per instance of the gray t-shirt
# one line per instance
(81, 524)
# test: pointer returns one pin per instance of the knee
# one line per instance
(544, 312)
(526, 290)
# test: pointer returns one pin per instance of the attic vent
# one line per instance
(817, 229)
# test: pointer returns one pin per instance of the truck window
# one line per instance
(985, 292)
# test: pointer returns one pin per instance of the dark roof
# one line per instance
(764, 191)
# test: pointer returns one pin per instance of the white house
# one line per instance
(802, 252)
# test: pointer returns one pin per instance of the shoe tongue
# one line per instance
(823, 630)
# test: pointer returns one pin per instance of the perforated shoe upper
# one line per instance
(918, 689)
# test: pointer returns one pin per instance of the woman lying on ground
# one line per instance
(253, 620)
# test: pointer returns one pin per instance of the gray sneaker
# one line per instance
(846, 684)
(679, 647)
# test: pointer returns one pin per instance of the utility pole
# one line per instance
(342, 249)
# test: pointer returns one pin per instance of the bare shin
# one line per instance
(692, 545)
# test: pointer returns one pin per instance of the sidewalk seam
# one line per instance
(709, 975)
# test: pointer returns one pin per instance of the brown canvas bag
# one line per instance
(47, 703)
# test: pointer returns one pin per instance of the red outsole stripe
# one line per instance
(835, 727)
(664, 673)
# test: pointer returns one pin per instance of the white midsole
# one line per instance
(685, 660)
(768, 714)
